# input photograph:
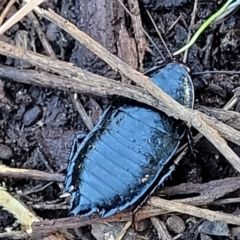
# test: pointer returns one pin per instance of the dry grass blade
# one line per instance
(23, 216)
(124, 230)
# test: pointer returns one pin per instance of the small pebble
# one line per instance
(31, 116)
(214, 228)
(5, 152)
(52, 32)
(176, 224)
(141, 225)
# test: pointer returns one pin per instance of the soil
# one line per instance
(38, 125)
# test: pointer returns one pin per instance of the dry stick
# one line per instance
(194, 211)
(124, 230)
(232, 118)
(30, 174)
(76, 222)
(146, 212)
(44, 206)
(5, 11)
(139, 37)
(173, 25)
(163, 101)
(143, 213)
(87, 82)
(21, 213)
(207, 192)
(145, 32)
(166, 103)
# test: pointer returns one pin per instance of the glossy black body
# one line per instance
(128, 152)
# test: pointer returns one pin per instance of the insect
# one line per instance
(128, 153)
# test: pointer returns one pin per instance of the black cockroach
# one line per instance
(129, 152)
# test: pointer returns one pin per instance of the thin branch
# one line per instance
(194, 211)
(163, 103)
(157, 206)
(194, 13)
(204, 124)
(30, 174)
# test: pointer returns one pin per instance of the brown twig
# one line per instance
(5, 11)
(166, 103)
(44, 206)
(78, 105)
(207, 192)
(157, 206)
(231, 118)
(20, 212)
(139, 37)
(96, 85)
(206, 125)
(208, 189)
(87, 82)
(173, 25)
(194, 211)
(30, 174)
